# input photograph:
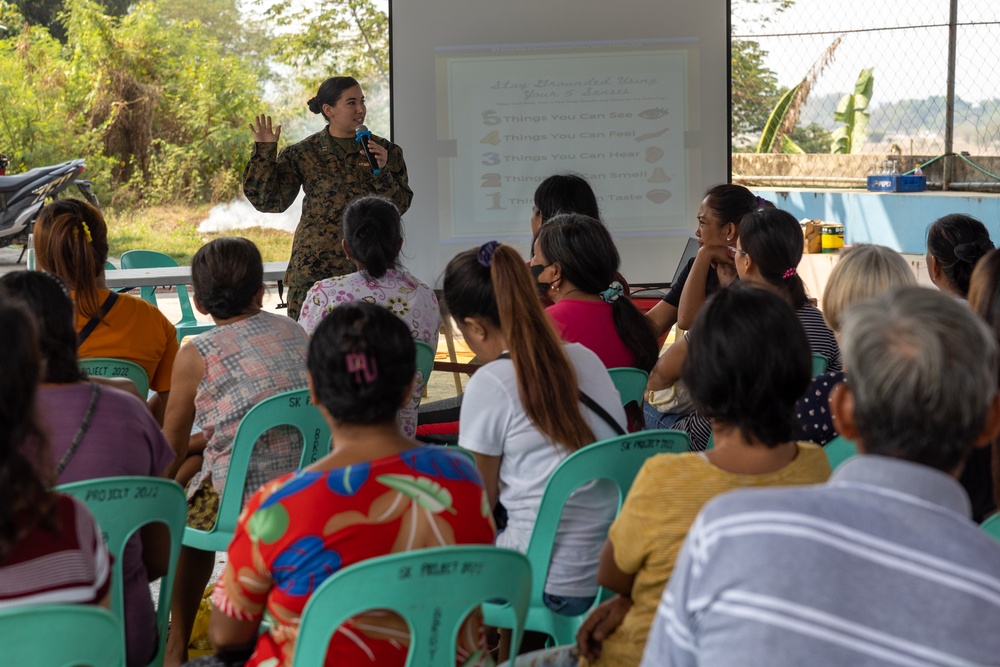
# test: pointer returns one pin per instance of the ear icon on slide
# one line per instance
(654, 154)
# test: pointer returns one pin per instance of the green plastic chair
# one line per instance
(150, 259)
(617, 459)
(630, 383)
(123, 505)
(291, 408)
(65, 635)
(432, 589)
(839, 450)
(820, 364)
(992, 526)
(106, 367)
(425, 361)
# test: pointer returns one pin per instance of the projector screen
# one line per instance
(633, 96)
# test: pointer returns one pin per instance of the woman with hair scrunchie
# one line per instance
(955, 243)
(574, 265)
(333, 170)
(766, 254)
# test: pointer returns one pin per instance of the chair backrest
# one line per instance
(123, 505)
(105, 367)
(617, 459)
(425, 361)
(290, 408)
(432, 589)
(630, 383)
(820, 364)
(839, 450)
(70, 635)
(992, 526)
(151, 259)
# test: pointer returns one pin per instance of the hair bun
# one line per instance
(314, 105)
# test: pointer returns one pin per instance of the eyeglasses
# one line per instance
(733, 251)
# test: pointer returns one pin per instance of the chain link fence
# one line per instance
(825, 93)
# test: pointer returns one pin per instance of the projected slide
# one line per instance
(618, 113)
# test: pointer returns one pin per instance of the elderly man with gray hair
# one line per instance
(881, 565)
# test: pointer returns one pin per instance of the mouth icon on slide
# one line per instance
(658, 196)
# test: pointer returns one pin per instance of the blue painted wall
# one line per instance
(899, 221)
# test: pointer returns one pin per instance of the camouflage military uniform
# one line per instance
(332, 178)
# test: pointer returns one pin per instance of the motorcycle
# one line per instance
(23, 195)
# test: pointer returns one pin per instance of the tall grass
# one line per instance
(173, 229)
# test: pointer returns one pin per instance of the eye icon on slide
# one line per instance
(653, 114)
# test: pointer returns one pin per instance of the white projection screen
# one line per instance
(490, 98)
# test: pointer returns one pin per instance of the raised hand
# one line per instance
(262, 132)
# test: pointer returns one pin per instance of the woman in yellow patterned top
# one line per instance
(748, 363)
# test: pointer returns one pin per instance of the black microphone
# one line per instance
(364, 134)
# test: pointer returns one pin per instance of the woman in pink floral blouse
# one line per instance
(373, 237)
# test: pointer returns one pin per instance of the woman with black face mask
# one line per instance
(575, 263)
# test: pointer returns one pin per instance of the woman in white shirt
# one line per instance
(522, 414)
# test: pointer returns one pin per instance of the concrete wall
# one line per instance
(899, 221)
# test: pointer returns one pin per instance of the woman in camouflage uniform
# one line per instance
(333, 170)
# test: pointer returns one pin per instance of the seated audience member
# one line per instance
(527, 409)
(766, 254)
(373, 237)
(51, 550)
(955, 243)
(863, 271)
(71, 241)
(882, 565)
(981, 477)
(219, 376)
(718, 227)
(358, 502)
(562, 194)
(574, 265)
(748, 387)
(96, 431)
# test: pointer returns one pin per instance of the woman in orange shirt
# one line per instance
(71, 241)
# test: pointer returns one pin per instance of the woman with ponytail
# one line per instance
(524, 411)
(373, 237)
(332, 169)
(574, 265)
(71, 241)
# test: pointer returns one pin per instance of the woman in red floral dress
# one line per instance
(377, 493)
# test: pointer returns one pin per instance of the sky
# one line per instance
(909, 61)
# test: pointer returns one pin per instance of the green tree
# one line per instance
(333, 37)
(813, 138)
(853, 112)
(754, 88)
(46, 13)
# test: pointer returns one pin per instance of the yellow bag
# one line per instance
(200, 644)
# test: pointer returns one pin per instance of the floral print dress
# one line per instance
(399, 291)
(302, 528)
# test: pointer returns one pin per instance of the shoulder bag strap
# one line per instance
(592, 404)
(94, 321)
(95, 393)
